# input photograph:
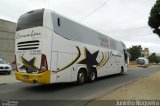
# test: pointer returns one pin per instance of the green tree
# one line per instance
(158, 59)
(154, 18)
(153, 58)
(135, 52)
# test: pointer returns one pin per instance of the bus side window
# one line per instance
(58, 21)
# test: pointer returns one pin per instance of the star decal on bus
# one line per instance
(28, 65)
(90, 59)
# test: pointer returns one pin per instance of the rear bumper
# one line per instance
(41, 78)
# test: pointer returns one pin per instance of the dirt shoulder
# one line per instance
(147, 88)
(143, 89)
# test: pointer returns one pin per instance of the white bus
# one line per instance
(51, 48)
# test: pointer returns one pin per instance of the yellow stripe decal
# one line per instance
(104, 60)
(77, 57)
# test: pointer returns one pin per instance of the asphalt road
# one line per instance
(69, 94)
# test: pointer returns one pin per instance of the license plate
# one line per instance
(26, 77)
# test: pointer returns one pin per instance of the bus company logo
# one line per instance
(32, 34)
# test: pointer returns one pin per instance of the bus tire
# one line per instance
(122, 71)
(93, 75)
(81, 77)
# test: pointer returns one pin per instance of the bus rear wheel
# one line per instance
(92, 76)
(122, 71)
(81, 77)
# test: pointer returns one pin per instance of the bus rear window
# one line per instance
(30, 19)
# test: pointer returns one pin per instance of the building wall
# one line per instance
(7, 40)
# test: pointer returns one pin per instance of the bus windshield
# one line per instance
(30, 19)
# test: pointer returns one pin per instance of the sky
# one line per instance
(124, 20)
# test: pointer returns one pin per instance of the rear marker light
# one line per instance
(44, 65)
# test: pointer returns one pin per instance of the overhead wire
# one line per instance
(95, 10)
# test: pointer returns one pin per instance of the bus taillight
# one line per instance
(44, 65)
